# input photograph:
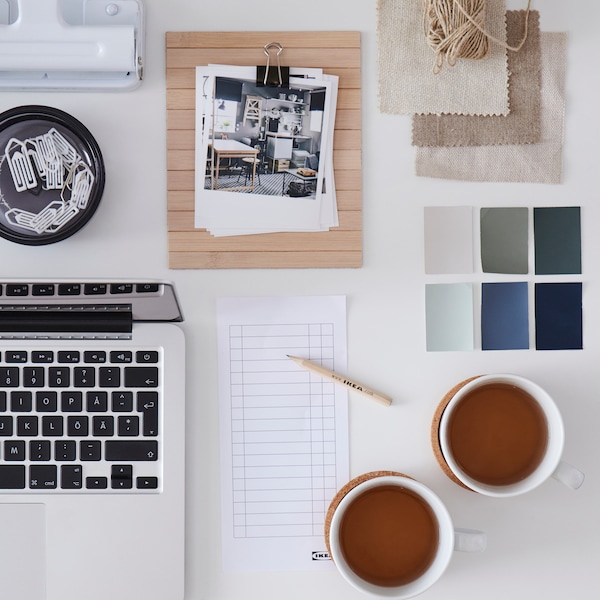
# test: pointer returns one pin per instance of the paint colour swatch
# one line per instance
(448, 239)
(504, 240)
(449, 316)
(504, 316)
(557, 234)
(558, 314)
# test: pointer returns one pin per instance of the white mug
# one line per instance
(550, 464)
(449, 538)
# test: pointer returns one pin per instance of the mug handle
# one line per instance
(568, 475)
(469, 540)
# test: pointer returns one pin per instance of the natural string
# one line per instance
(456, 29)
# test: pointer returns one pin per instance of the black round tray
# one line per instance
(51, 175)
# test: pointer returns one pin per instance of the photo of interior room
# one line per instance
(265, 140)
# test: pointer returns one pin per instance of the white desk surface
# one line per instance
(543, 545)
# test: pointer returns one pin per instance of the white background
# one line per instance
(545, 545)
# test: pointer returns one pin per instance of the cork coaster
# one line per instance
(435, 425)
(344, 490)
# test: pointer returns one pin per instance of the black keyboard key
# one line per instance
(33, 377)
(97, 401)
(131, 450)
(147, 404)
(94, 289)
(71, 477)
(59, 377)
(6, 426)
(146, 288)
(129, 426)
(27, 426)
(15, 356)
(94, 356)
(17, 289)
(12, 477)
(46, 289)
(9, 376)
(69, 356)
(65, 450)
(77, 426)
(71, 401)
(121, 288)
(121, 477)
(121, 356)
(52, 426)
(122, 401)
(146, 356)
(46, 401)
(21, 401)
(42, 356)
(141, 377)
(110, 377)
(2, 401)
(84, 377)
(14, 450)
(90, 450)
(39, 450)
(42, 477)
(146, 483)
(96, 483)
(69, 289)
(103, 426)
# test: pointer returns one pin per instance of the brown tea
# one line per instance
(498, 434)
(389, 535)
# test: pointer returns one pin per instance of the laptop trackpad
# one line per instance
(23, 551)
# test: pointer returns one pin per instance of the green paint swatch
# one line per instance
(557, 234)
(504, 240)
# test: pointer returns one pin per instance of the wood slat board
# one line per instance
(337, 53)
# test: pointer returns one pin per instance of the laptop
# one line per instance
(92, 404)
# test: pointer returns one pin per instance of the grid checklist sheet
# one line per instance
(284, 430)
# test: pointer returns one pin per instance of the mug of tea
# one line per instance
(501, 435)
(391, 536)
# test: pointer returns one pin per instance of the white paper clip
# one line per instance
(21, 169)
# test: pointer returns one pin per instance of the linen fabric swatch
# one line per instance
(524, 163)
(522, 125)
(406, 82)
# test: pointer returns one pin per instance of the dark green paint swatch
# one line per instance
(557, 234)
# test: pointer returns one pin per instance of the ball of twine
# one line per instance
(456, 29)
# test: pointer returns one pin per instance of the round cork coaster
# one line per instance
(435, 426)
(345, 489)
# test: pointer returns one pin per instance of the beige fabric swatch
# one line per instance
(522, 124)
(530, 163)
(407, 84)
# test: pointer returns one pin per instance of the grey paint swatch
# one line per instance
(504, 240)
(557, 234)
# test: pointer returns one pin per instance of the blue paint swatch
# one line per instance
(558, 315)
(504, 316)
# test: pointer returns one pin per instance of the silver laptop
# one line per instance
(91, 441)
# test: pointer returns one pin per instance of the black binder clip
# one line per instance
(265, 76)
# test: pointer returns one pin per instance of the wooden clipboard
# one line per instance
(337, 53)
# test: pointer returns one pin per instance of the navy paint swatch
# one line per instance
(504, 316)
(558, 315)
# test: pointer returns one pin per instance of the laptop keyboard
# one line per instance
(78, 420)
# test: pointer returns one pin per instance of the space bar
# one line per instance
(131, 450)
(12, 477)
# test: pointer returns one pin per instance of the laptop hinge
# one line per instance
(69, 320)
